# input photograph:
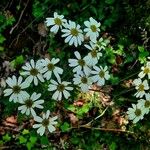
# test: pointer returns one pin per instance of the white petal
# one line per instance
(55, 95)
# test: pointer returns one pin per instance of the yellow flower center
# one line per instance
(60, 87)
(29, 103)
(141, 87)
(146, 70)
(50, 67)
(93, 28)
(147, 104)
(58, 21)
(94, 53)
(81, 62)
(74, 32)
(45, 122)
(138, 112)
(102, 74)
(16, 89)
(84, 80)
(34, 72)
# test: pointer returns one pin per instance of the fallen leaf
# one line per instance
(73, 118)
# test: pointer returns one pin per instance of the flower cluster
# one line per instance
(71, 31)
(143, 92)
(86, 72)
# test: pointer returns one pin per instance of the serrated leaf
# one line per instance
(33, 139)
(71, 108)
(29, 145)
(141, 49)
(19, 60)
(22, 140)
(25, 131)
(6, 138)
(44, 140)
(65, 127)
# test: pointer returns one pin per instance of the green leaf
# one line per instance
(71, 108)
(22, 140)
(6, 138)
(142, 56)
(2, 39)
(33, 139)
(19, 60)
(141, 49)
(1, 143)
(44, 140)
(25, 131)
(113, 146)
(114, 80)
(29, 145)
(65, 127)
(109, 1)
(1, 48)
(84, 109)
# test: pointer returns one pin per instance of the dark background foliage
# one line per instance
(24, 36)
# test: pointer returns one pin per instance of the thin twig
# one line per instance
(129, 76)
(123, 92)
(106, 129)
(98, 90)
(22, 12)
(89, 123)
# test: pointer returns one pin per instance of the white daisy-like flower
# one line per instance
(145, 103)
(45, 123)
(33, 71)
(73, 34)
(29, 103)
(16, 90)
(100, 75)
(49, 68)
(145, 71)
(94, 54)
(92, 30)
(56, 22)
(83, 81)
(79, 64)
(141, 87)
(136, 113)
(60, 88)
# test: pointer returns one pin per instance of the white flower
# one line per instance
(79, 64)
(55, 22)
(145, 103)
(136, 113)
(73, 34)
(29, 103)
(33, 71)
(145, 71)
(60, 88)
(140, 87)
(92, 30)
(83, 81)
(49, 68)
(100, 75)
(94, 55)
(16, 89)
(45, 122)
